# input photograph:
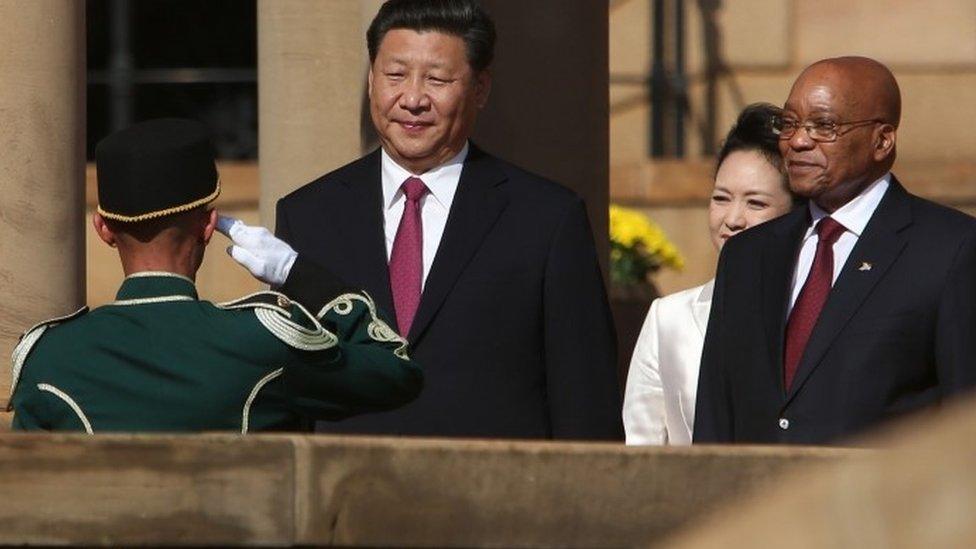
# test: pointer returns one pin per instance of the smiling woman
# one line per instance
(750, 188)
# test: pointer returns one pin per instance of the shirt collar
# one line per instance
(854, 215)
(442, 180)
(156, 284)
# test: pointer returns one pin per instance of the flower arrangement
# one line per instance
(638, 247)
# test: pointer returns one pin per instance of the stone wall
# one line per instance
(277, 490)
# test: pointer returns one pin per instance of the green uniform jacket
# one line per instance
(160, 359)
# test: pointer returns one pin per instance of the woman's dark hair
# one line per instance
(462, 18)
(753, 131)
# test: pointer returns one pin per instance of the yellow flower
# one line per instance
(632, 229)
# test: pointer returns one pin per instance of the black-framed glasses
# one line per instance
(822, 131)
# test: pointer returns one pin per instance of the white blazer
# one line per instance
(659, 402)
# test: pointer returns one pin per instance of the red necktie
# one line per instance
(407, 257)
(812, 297)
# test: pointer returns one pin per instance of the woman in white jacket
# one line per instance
(750, 188)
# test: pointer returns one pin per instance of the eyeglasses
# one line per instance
(822, 131)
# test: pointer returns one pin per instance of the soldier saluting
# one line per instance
(159, 358)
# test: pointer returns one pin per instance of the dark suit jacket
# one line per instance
(513, 330)
(897, 333)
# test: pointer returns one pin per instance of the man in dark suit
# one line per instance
(490, 271)
(854, 310)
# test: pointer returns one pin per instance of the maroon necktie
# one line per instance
(812, 297)
(407, 257)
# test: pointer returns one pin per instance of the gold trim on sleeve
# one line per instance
(377, 329)
(70, 402)
(246, 415)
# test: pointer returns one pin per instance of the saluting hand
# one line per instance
(266, 256)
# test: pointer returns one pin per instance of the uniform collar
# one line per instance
(156, 286)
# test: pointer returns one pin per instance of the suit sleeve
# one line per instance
(580, 342)
(955, 337)
(713, 405)
(308, 282)
(644, 396)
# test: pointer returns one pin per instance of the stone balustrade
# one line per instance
(282, 490)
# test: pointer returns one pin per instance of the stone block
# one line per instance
(922, 493)
(629, 124)
(937, 114)
(743, 88)
(127, 490)
(630, 38)
(227, 490)
(755, 33)
(409, 492)
(898, 32)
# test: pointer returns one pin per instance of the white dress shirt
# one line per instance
(434, 206)
(662, 384)
(854, 216)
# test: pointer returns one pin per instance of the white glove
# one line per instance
(266, 256)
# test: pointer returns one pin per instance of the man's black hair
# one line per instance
(462, 18)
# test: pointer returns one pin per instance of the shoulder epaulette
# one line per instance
(28, 339)
(277, 313)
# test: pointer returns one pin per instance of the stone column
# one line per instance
(42, 166)
(549, 106)
(311, 85)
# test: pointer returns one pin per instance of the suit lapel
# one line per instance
(778, 259)
(880, 244)
(701, 306)
(363, 226)
(477, 205)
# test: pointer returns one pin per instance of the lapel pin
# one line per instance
(865, 266)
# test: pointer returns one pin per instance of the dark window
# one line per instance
(186, 58)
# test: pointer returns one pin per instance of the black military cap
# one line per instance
(155, 168)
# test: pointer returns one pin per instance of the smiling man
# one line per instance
(854, 310)
(489, 271)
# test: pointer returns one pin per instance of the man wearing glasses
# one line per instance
(853, 310)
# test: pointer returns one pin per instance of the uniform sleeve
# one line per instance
(955, 335)
(580, 342)
(36, 410)
(367, 370)
(644, 421)
(713, 405)
(27, 413)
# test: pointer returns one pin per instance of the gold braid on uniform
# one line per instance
(160, 213)
(277, 320)
(378, 330)
(246, 413)
(27, 342)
